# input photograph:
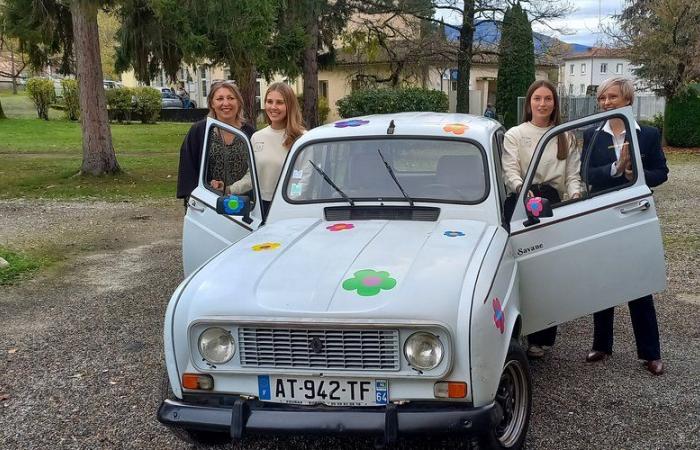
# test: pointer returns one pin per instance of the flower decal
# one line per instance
(369, 282)
(351, 123)
(499, 317)
(456, 128)
(534, 205)
(265, 246)
(340, 227)
(233, 205)
(453, 233)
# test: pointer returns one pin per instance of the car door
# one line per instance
(206, 232)
(592, 253)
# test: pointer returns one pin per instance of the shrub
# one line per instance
(71, 99)
(42, 93)
(656, 122)
(148, 103)
(682, 119)
(121, 101)
(380, 101)
(323, 108)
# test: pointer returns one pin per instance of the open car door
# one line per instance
(228, 157)
(594, 252)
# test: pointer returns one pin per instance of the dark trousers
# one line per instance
(646, 329)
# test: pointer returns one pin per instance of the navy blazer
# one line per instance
(603, 155)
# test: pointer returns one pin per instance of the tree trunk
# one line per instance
(2, 113)
(12, 72)
(98, 152)
(464, 57)
(310, 106)
(244, 74)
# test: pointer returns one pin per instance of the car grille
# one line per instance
(338, 349)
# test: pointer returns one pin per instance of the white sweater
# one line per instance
(269, 154)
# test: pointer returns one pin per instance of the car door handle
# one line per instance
(643, 205)
(193, 204)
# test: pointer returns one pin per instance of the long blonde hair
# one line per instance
(295, 125)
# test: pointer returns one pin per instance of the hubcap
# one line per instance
(511, 397)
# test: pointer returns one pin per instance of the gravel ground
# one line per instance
(81, 348)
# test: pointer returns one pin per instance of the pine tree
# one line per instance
(516, 64)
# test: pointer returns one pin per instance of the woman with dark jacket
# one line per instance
(610, 165)
(225, 104)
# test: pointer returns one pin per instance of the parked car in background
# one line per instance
(170, 100)
(110, 84)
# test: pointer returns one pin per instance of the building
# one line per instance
(581, 73)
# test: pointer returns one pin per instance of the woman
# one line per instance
(271, 144)
(557, 177)
(608, 169)
(225, 104)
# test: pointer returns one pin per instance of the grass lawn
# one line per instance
(20, 266)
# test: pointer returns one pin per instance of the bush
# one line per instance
(380, 101)
(657, 122)
(71, 99)
(323, 108)
(42, 93)
(121, 101)
(682, 119)
(148, 103)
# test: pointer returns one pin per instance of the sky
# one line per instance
(583, 22)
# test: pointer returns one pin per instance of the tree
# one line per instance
(17, 59)
(516, 64)
(108, 25)
(663, 39)
(57, 27)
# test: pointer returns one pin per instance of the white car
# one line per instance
(386, 292)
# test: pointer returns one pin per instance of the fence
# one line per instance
(645, 107)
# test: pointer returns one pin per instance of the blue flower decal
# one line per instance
(351, 123)
(233, 204)
(453, 233)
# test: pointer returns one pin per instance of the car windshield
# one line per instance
(426, 169)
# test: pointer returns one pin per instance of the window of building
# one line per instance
(618, 68)
(323, 88)
(583, 68)
(571, 89)
(603, 68)
(571, 69)
(454, 86)
(583, 89)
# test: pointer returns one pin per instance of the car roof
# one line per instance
(411, 124)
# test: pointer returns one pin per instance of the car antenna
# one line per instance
(390, 130)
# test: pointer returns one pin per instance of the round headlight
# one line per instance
(216, 345)
(423, 350)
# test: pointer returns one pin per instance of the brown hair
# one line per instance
(626, 88)
(236, 93)
(295, 124)
(554, 118)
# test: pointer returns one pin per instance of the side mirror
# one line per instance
(537, 207)
(234, 205)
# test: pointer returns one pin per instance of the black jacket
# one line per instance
(191, 157)
(603, 155)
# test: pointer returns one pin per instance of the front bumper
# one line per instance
(253, 416)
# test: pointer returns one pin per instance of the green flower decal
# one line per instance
(369, 282)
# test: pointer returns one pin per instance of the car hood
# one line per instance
(365, 269)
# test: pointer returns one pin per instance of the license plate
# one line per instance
(327, 391)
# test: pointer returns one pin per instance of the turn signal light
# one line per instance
(450, 389)
(197, 381)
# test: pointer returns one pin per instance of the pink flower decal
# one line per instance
(456, 128)
(499, 317)
(340, 227)
(534, 205)
(351, 123)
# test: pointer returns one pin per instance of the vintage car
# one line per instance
(387, 291)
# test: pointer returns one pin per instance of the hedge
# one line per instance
(682, 119)
(148, 103)
(381, 101)
(71, 98)
(43, 94)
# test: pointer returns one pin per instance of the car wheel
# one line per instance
(198, 438)
(514, 401)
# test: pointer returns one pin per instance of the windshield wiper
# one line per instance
(393, 176)
(333, 185)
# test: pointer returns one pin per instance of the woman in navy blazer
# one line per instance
(609, 165)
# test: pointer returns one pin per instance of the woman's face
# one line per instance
(225, 104)
(542, 104)
(611, 98)
(276, 109)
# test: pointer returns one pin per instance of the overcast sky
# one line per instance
(583, 22)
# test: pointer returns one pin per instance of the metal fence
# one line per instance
(645, 107)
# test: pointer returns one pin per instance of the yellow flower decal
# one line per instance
(265, 246)
(456, 128)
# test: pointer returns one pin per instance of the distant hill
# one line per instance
(489, 33)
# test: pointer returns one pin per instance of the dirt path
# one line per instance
(81, 346)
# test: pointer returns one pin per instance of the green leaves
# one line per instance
(380, 101)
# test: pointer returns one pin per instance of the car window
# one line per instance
(427, 169)
(228, 162)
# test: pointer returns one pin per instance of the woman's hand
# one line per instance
(217, 184)
(575, 195)
(623, 163)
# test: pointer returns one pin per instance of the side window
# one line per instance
(227, 164)
(497, 149)
(581, 163)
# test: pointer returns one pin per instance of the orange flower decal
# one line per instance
(265, 246)
(456, 128)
